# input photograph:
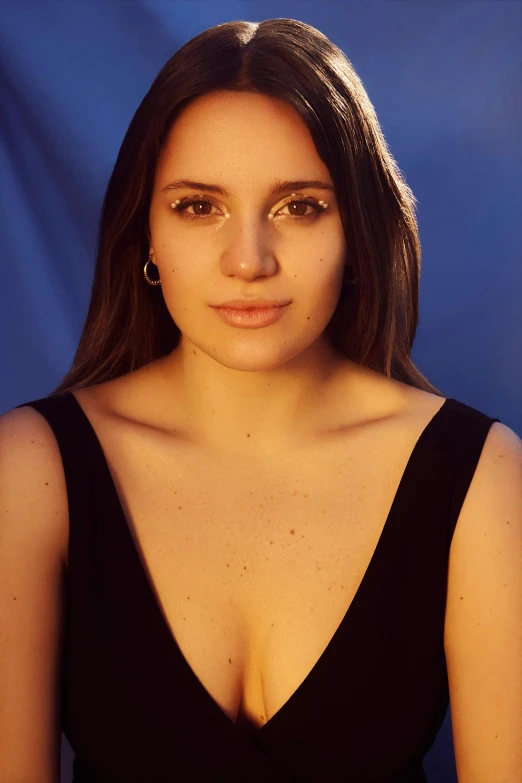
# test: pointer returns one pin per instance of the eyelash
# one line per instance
(181, 208)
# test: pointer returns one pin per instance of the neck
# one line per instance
(257, 411)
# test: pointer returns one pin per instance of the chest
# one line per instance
(254, 567)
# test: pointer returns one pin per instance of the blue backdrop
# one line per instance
(445, 79)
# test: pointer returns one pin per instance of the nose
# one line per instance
(248, 250)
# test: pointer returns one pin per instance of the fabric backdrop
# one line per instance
(445, 79)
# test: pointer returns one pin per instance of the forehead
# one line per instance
(240, 137)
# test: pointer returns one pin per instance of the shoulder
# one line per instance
(482, 633)
(25, 434)
(501, 442)
(492, 509)
(32, 480)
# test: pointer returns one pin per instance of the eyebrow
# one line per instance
(277, 187)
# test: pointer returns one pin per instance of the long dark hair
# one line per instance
(128, 324)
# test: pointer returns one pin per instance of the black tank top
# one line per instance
(134, 711)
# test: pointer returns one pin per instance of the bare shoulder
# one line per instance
(32, 473)
(28, 443)
(493, 503)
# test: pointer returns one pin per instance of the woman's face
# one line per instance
(244, 143)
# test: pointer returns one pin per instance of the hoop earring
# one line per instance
(145, 275)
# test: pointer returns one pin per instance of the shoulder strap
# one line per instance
(465, 430)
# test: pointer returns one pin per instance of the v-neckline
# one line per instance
(350, 611)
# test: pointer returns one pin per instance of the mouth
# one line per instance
(252, 317)
(260, 303)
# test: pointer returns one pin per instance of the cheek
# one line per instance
(323, 273)
(185, 281)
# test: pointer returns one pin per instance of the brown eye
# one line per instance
(297, 209)
(197, 202)
(302, 205)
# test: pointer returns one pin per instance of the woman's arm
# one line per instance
(34, 523)
(483, 624)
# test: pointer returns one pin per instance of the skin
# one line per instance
(238, 386)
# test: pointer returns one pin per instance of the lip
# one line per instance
(253, 318)
(252, 304)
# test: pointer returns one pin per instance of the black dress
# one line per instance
(133, 710)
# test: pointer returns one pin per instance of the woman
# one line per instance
(249, 513)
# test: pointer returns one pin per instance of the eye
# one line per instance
(188, 202)
(307, 202)
(196, 200)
